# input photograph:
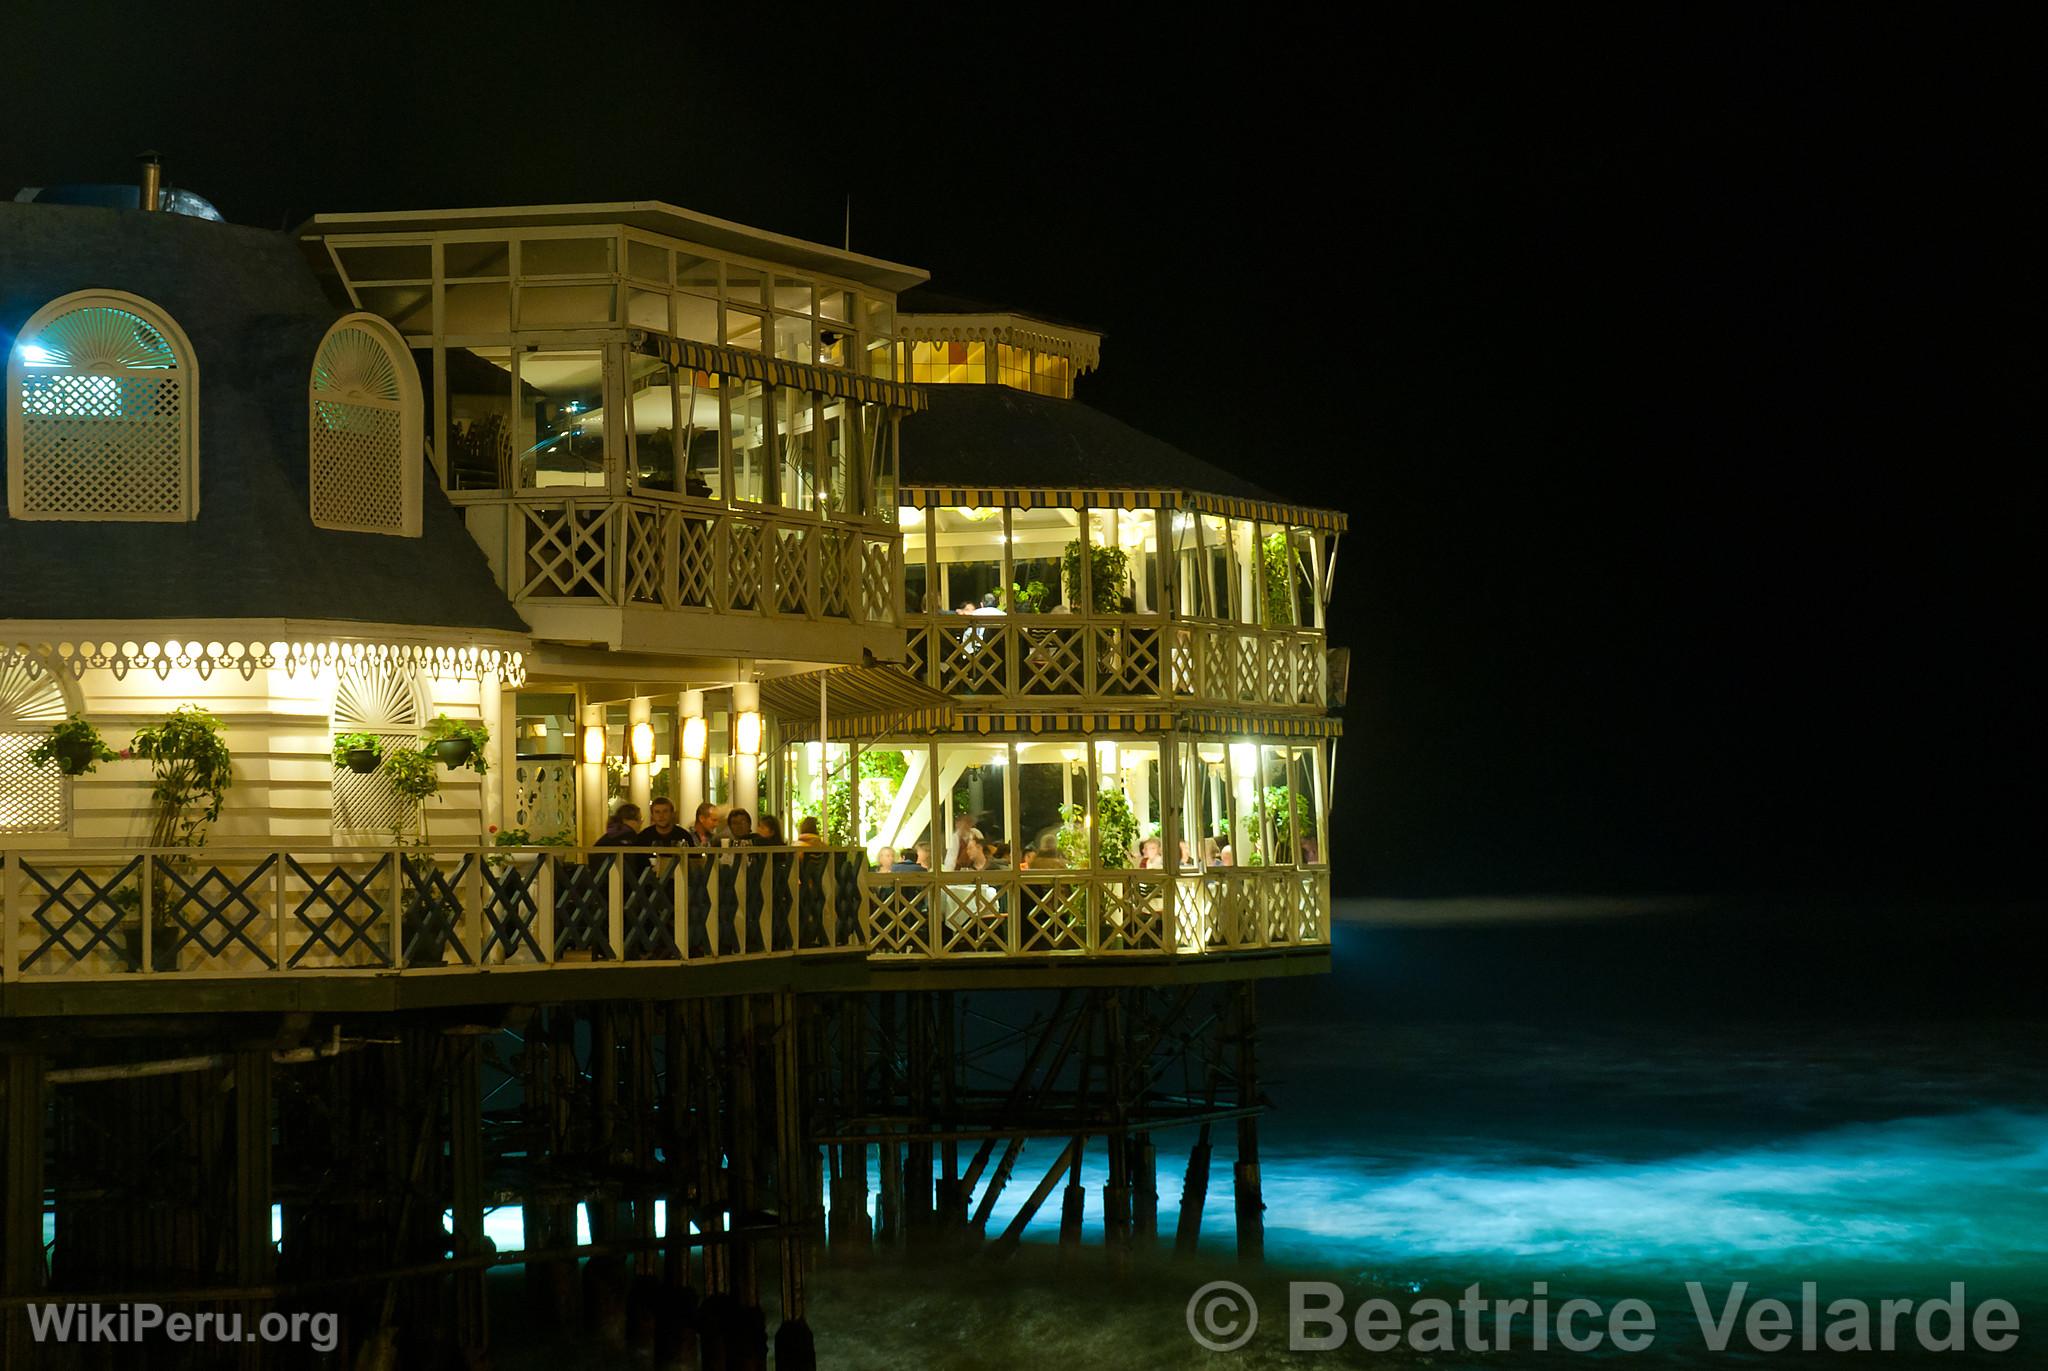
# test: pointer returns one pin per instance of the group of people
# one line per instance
(713, 827)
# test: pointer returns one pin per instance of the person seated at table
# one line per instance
(885, 859)
(920, 859)
(807, 834)
(998, 853)
(624, 828)
(739, 827)
(662, 830)
(768, 831)
(1150, 854)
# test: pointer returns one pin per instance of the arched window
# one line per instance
(363, 417)
(33, 696)
(102, 413)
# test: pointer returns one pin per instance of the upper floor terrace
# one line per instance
(642, 410)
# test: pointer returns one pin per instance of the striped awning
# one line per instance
(743, 364)
(1040, 497)
(1262, 725)
(860, 702)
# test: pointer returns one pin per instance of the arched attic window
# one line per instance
(102, 413)
(363, 420)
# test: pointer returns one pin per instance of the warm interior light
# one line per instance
(643, 743)
(694, 734)
(746, 732)
(1105, 760)
(593, 744)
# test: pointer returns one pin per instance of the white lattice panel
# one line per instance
(358, 473)
(32, 798)
(95, 445)
(696, 561)
(378, 700)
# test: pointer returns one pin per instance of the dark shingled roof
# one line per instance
(255, 314)
(999, 437)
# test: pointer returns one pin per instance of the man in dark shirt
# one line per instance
(919, 862)
(740, 824)
(661, 830)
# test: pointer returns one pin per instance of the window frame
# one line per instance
(187, 371)
(411, 425)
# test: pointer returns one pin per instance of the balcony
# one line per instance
(996, 915)
(1031, 660)
(615, 569)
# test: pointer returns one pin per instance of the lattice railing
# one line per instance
(1067, 913)
(293, 911)
(641, 551)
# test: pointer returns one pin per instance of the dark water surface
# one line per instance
(1610, 1107)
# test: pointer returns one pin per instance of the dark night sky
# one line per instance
(1679, 369)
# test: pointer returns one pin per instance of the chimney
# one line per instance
(152, 182)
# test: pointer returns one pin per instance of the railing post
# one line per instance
(615, 909)
(9, 916)
(544, 908)
(397, 910)
(277, 895)
(679, 912)
(1013, 914)
(148, 929)
(473, 915)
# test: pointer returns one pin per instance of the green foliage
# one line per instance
(1109, 569)
(1289, 811)
(193, 769)
(883, 764)
(413, 774)
(1030, 597)
(73, 733)
(1116, 828)
(1276, 606)
(519, 837)
(444, 729)
(356, 742)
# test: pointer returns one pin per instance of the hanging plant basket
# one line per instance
(74, 756)
(362, 760)
(454, 752)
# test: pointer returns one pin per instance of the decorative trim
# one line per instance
(440, 661)
(1082, 346)
(1040, 497)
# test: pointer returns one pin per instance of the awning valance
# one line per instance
(1029, 497)
(860, 702)
(1151, 721)
(744, 364)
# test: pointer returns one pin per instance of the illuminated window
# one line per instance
(1052, 375)
(363, 419)
(949, 363)
(102, 413)
(1013, 366)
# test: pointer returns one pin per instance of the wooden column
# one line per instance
(21, 1206)
(466, 1181)
(1251, 1205)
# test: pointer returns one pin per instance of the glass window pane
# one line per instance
(881, 358)
(879, 315)
(838, 454)
(970, 557)
(1052, 792)
(747, 429)
(1126, 560)
(1045, 554)
(566, 306)
(743, 329)
(696, 317)
(896, 800)
(877, 495)
(647, 309)
(476, 307)
(835, 345)
(796, 428)
(1275, 580)
(565, 256)
(916, 530)
(793, 294)
(743, 283)
(1246, 844)
(1303, 552)
(974, 806)
(487, 258)
(793, 339)
(651, 393)
(562, 397)
(1127, 804)
(835, 303)
(697, 396)
(1243, 571)
(1013, 366)
(647, 261)
(698, 275)
(1109, 566)
(479, 439)
(1281, 804)
(1205, 803)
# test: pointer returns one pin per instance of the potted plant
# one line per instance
(193, 770)
(1109, 574)
(74, 745)
(361, 753)
(457, 743)
(1029, 597)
